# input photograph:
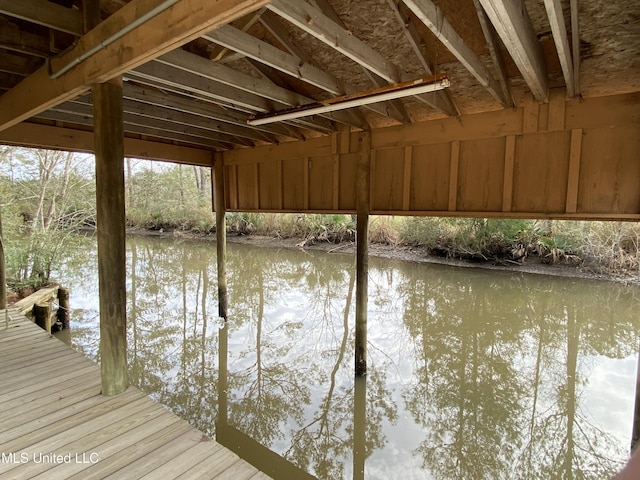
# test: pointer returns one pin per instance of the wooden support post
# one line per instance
(109, 151)
(3, 274)
(63, 309)
(42, 314)
(221, 233)
(362, 253)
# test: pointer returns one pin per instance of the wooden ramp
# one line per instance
(54, 424)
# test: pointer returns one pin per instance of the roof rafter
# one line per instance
(559, 31)
(273, 23)
(208, 110)
(47, 14)
(441, 100)
(491, 38)
(170, 115)
(514, 27)
(227, 76)
(87, 120)
(315, 23)
(429, 14)
(393, 108)
(267, 54)
(178, 24)
(182, 81)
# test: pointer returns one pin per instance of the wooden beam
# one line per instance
(229, 96)
(243, 24)
(267, 54)
(493, 44)
(58, 138)
(441, 100)
(202, 108)
(275, 26)
(47, 14)
(16, 40)
(16, 64)
(559, 31)
(109, 152)
(453, 175)
(182, 22)
(507, 179)
(406, 178)
(575, 44)
(431, 15)
(332, 21)
(573, 177)
(135, 123)
(315, 23)
(512, 22)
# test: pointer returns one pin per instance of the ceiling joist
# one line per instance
(514, 27)
(493, 44)
(429, 14)
(184, 21)
(559, 31)
(47, 14)
(442, 100)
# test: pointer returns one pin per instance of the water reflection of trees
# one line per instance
(499, 376)
(496, 363)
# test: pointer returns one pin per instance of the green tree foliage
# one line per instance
(46, 196)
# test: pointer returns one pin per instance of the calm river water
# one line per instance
(473, 374)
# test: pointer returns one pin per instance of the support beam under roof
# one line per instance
(315, 23)
(267, 54)
(514, 27)
(493, 43)
(433, 18)
(559, 31)
(184, 21)
(47, 14)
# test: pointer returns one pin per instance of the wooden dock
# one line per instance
(55, 424)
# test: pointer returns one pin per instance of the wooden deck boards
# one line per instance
(50, 403)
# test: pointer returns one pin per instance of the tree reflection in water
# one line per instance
(473, 374)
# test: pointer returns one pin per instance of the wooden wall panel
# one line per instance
(610, 171)
(481, 175)
(247, 184)
(321, 183)
(540, 172)
(568, 159)
(388, 179)
(270, 185)
(293, 184)
(430, 177)
(348, 171)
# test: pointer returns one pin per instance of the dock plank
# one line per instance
(60, 411)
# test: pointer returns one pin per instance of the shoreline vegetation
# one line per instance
(598, 250)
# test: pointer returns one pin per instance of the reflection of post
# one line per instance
(221, 233)
(223, 380)
(362, 259)
(109, 151)
(359, 427)
(635, 436)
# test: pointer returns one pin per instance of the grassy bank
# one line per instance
(600, 247)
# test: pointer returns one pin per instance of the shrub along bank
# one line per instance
(600, 247)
